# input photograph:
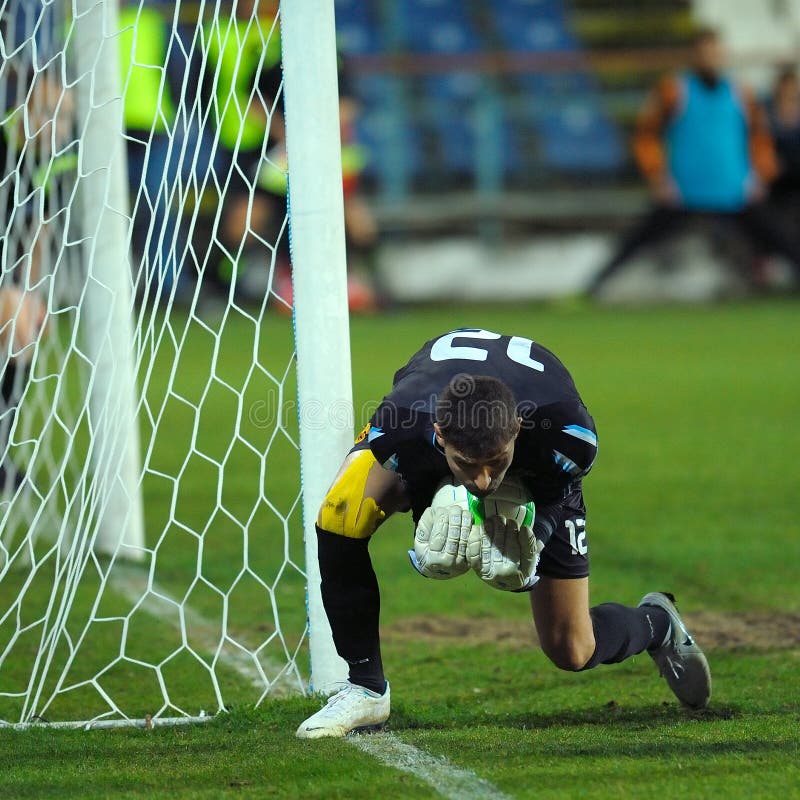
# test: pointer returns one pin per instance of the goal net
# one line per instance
(152, 555)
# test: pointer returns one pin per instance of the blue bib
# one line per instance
(708, 147)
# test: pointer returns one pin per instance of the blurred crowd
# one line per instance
(209, 141)
(715, 157)
(207, 165)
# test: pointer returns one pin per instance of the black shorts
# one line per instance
(566, 554)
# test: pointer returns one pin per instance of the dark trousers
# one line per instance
(756, 223)
(13, 380)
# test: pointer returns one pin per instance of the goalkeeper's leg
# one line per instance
(363, 495)
(576, 637)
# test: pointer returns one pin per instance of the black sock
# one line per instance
(621, 632)
(352, 602)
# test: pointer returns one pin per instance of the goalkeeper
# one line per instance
(474, 406)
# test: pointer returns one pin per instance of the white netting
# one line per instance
(168, 580)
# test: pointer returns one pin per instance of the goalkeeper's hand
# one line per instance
(504, 555)
(440, 543)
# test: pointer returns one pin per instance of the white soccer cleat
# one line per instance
(354, 708)
(679, 659)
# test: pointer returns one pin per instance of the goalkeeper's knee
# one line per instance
(570, 649)
(345, 510)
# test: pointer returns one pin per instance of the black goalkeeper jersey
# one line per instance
(557, 443)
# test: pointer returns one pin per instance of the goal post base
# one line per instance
(147, 723)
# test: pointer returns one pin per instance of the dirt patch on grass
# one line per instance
(713, 631)
(463, 630)
(745, 631)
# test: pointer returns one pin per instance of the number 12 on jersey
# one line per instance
(577, 536)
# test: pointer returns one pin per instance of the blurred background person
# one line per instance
(361, 229)
(22, 321)
(703, 145)
(36, 157)
(360, 226)
(241, 88)
(784, 116)
(153, 145)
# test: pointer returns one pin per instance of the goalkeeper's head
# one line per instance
(477, 425)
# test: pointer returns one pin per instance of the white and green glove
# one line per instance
(440, 542)
(504, 555)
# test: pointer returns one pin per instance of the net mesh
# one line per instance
(196, 602)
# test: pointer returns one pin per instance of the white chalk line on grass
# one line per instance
(443, 777)
(448, 780)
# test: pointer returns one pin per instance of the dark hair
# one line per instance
(704, 34)
(477, 414)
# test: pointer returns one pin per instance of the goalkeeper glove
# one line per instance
(440, 542)
(503, 555)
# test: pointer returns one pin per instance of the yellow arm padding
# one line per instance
(345, 510)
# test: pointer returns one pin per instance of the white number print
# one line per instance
(577, 536)
(518, 350)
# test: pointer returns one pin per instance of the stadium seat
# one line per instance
(563, 110)
(444, 101)
(356, 30)
(532, 31)
(392, 143)
(438, 26)
(455, 109)
(579, 138)
(454, 130)
(574, 133)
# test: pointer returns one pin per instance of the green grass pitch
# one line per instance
(694, 491)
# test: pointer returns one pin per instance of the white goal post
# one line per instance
(165, 397)
(320, 284)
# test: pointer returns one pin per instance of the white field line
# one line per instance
(443, 777)
(449, 781)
